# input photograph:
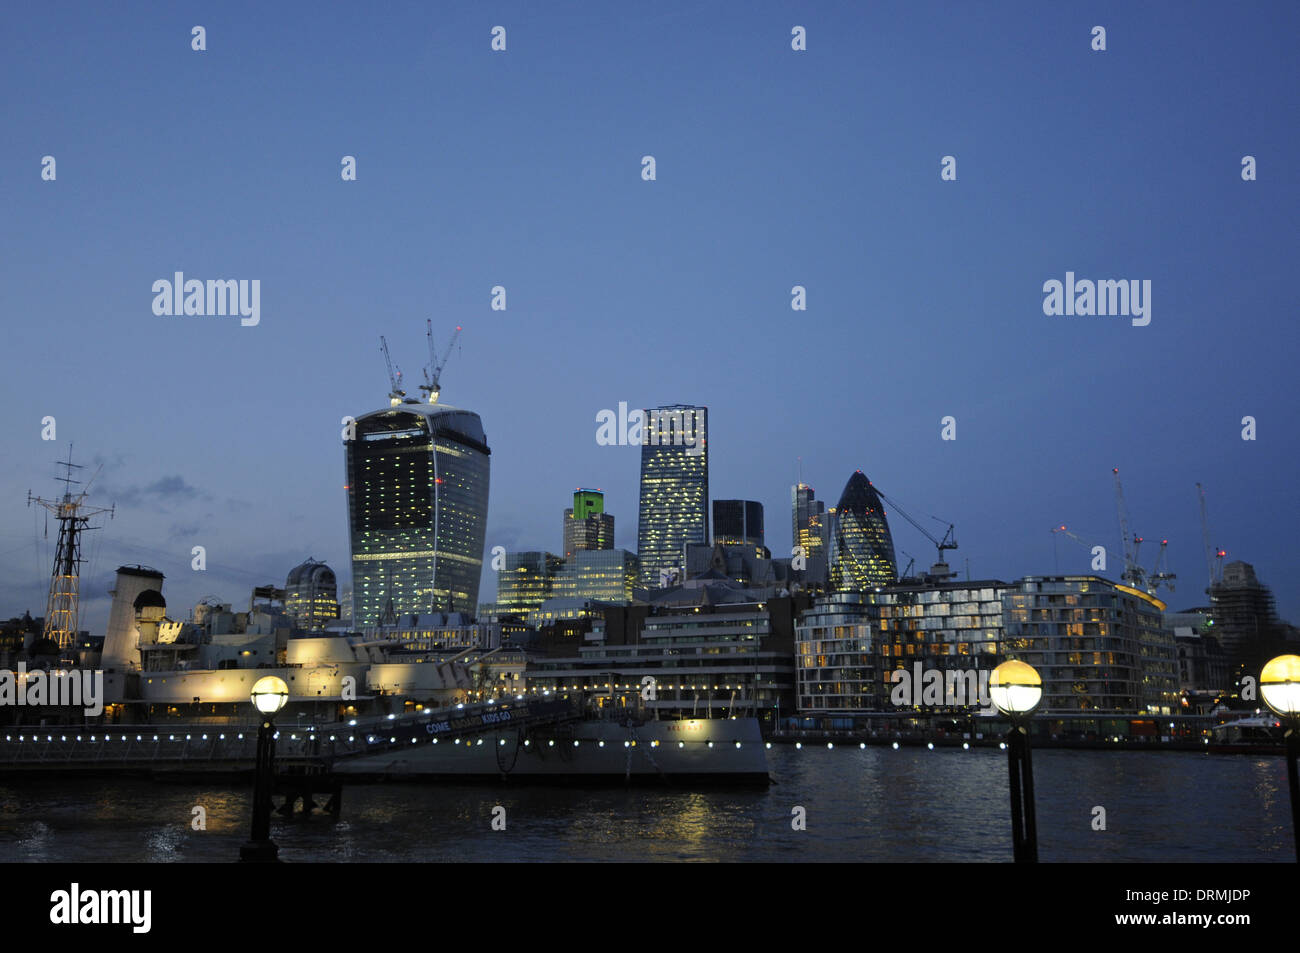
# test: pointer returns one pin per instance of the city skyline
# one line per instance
(924, 296)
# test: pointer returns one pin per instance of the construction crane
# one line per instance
(940, 568)
(1133, 573)
(1151, 581)
(395, 392)
(1213, 558)
(1160, 574)
(1085, 543)
(433, 373)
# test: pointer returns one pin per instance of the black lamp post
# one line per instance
(268, 695)
(1279, 684)
(1016, 689)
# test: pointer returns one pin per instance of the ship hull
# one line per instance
(693, 752)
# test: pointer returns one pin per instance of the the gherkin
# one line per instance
(862, 549)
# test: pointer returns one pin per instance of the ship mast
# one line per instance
(61, 611)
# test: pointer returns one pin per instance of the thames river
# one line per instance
(872, 805)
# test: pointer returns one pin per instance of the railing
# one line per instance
(234, 747)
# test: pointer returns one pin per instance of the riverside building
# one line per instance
(1098, 645)
(707, 657)
(417, 492)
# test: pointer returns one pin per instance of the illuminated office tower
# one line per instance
(586, 524)
(311, 595)
(527, 581)
(674, 504)
(602, 575)
(808, 516)
(417, 486)
(738, 523)
(863, 550)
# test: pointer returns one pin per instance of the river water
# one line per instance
(876, 804)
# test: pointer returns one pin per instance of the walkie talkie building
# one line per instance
(417, 487)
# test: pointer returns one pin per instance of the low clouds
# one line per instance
(162, 492)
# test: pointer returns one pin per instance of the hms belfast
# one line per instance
(411, 688)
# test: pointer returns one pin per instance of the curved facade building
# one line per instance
(417, 485)
(311, 595)
(862, 548)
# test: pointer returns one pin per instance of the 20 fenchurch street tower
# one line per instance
(417, 485)
(674, 508)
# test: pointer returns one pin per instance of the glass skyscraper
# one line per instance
(738, 523)
(862, 548)
(674, 505)
(808, 515)
(604, 575)
(527, 581)
(417, 486)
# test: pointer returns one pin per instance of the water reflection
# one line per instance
(861, 805)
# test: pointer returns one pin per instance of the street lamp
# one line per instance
(268, 696)
(1016, 690)
(1279, 684)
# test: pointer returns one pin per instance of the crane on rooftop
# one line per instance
(395, 392)
(433, 372)
(940, 568)
(1134, 575)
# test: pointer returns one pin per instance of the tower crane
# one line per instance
(395, 392)
(940, 568)
(1213, 558)
(1160, 574)
(1151, 581)
(1085, 543)
(433, 372)
(1133, 573)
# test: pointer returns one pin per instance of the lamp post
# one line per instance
(268, 696)
(1279, 684)
(1016, 690)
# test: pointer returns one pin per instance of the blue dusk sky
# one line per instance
(775, 168)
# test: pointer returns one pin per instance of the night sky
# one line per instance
(775, 168)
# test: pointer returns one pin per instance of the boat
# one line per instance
(582, 751)
(1255, 734)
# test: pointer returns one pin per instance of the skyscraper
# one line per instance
(417, 485)
(674, 505)
(738, 523)
(808, 519)
(863, 549)
(586, 524)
